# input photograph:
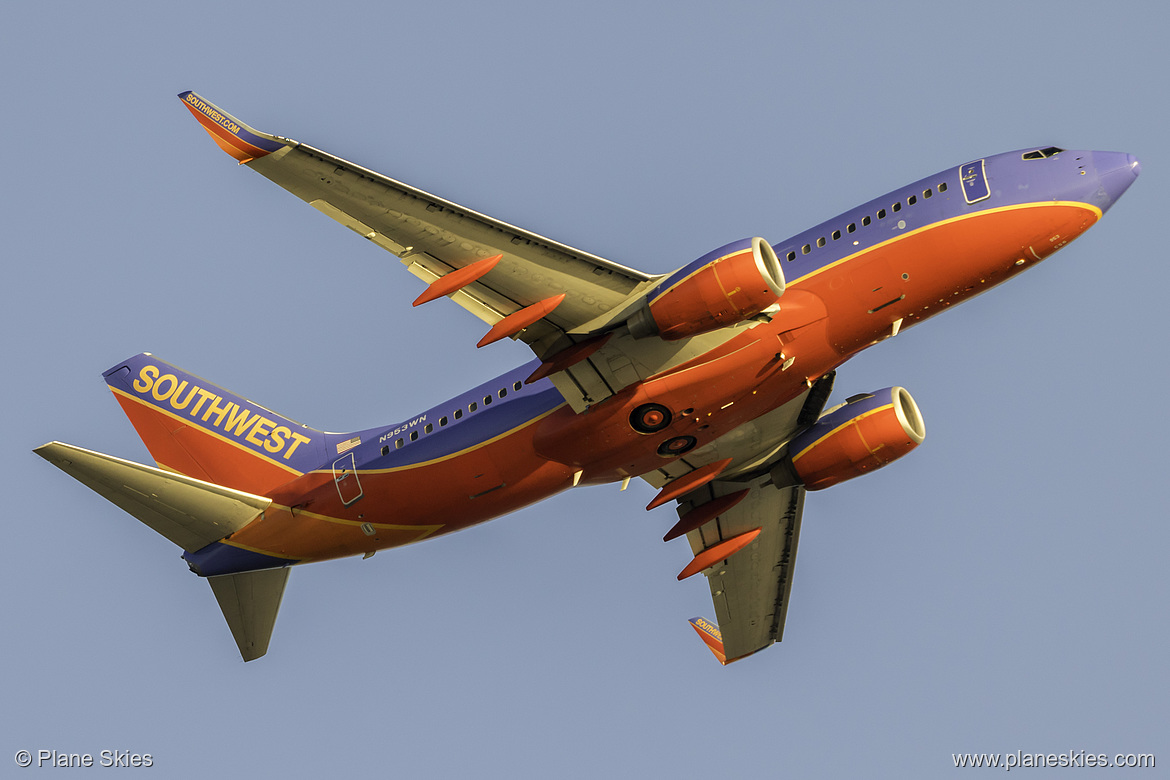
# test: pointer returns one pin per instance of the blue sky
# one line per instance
(1002, 588)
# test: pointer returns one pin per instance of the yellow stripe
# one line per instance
(424, 531)
(472, 448)
(269, 553)
(692, 273)
(430, 529)
(952, 220)
(851, 420)
(190, 420)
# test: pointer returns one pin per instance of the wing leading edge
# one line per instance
(566, 304)
(435, 237)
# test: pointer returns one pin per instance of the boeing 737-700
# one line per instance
(709, 382)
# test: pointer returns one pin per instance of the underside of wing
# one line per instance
(751, 588)
(573, 291)
(742, 528)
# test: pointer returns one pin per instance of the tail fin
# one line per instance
(196, 428)
(192, 514)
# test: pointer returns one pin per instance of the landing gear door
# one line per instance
(346, 478)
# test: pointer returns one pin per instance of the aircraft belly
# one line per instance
(752, 377)
(405, 505)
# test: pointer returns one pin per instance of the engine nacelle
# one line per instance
(732, 284)
(864, 434)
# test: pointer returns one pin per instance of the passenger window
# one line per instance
(442, 421)
(898, 206)
(503, 392)
(516, 386)
(804, 250)
(821, 241)
(942, 187)
(927, 192)
(836, 234)
(881, 214)
(414, 435)
(865, 220)
(458, 414)
(851, 227)
(398, 444)
(792, 255)
(911, 200)
(487, 399)
(385, 450)
(471, 407)
(429, 428)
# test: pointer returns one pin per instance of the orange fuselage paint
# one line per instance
(825, 317)
(917, 275)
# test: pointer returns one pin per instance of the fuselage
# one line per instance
(851, 282)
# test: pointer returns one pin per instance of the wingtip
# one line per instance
(230, 134)
(51, 450)
(711, 637)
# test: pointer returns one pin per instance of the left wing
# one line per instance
(751, 589)
(524, 285)
(742, 527)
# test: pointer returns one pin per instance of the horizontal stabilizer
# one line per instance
(189, 512)
(250, 601)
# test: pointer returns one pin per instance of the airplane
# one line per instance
(710, 382)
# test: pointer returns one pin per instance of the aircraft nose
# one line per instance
(1135, 165)
(1116, 171)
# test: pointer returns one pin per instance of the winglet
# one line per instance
(232, 135)
(711, 637)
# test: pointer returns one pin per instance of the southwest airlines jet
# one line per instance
(710, 382)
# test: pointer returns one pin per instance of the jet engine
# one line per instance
(865, 433)
(729, 285)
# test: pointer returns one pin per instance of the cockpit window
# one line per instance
(1041, 154)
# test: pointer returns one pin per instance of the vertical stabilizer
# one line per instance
(250, 601)
(204, 431)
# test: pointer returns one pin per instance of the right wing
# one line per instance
(435, 238)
